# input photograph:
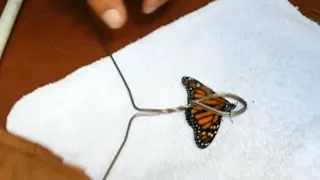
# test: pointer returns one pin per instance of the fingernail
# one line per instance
(113, 18)
(150, 9)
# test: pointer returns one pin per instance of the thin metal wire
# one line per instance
(154, 112)
(106, 175)
(147, 112)
(216, 111)
(181, 108)
(130, 93)
(139, 114)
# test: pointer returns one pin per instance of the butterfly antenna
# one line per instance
(236, 103)
(230, 117)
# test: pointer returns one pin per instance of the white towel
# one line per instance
(264, 51)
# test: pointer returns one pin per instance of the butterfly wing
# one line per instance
(205, 124)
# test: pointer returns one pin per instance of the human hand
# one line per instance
(114, 13)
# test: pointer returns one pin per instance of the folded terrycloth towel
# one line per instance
(264, 51)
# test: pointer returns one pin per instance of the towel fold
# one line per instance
(264, 51)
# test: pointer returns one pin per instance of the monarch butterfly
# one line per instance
(205, 124)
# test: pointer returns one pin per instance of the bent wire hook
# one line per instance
(154, 112)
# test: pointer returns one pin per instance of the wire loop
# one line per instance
(216, 111)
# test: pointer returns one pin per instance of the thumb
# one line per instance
(112, 12)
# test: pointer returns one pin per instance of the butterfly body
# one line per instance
(204, 123)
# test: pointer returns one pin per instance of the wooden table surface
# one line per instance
(52, 38)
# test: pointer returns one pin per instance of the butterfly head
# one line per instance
(229, 107)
